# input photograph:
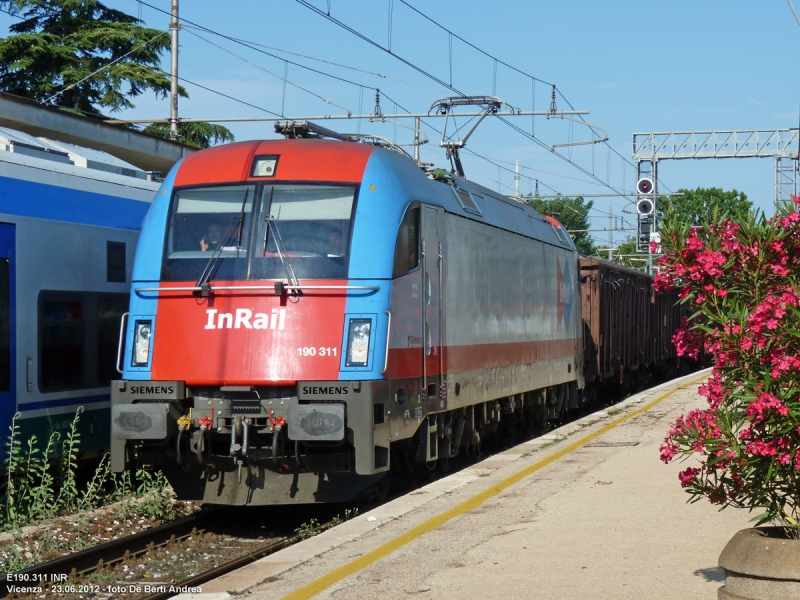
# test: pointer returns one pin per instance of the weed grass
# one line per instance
(38, 485)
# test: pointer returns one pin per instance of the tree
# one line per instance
(84, 57)
(60, 44)
(573, 213)
(696, 206)
(199, 135)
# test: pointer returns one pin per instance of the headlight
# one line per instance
(358, 342)
(141, 343)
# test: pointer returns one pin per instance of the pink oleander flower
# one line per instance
(687, 476)
(738, 281)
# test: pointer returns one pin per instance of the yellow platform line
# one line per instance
(380, 552)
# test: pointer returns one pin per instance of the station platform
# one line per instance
(586, 511)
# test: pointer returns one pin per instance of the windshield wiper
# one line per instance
(216, 257)
(287, 265)
(272, 225)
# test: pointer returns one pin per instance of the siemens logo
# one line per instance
(329, 390)
(153, 389)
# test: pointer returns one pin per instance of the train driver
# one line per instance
(212, 239)
(335, 244)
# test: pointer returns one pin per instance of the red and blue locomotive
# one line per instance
(307, 312)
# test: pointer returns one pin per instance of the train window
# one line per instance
(467, 201)
(206, 222)
(560, 233)
(78, 337)
(110, 308)
(308, 226)
(61, 341)
(5, 326)
(562, 236)
(406, 250)
(115, 262)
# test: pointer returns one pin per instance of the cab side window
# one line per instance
(406, 251)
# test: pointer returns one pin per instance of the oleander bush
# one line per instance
(742, 282)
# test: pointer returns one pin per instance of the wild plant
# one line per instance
(45, 489)
(12, 469)
(37, 485)
(68, 487)
(156, 496)
(95, 494)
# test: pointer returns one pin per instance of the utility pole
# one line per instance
(416, 140)
(610, 232)
(655, 218)
(173, 109)
(516, 181)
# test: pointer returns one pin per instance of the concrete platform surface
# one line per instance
(587, 511)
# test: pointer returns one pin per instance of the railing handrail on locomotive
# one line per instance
(197, 288)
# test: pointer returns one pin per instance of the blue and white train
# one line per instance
(69, 222)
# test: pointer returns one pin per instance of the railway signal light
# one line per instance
(645, 206)
(643, 230)
(645, 186)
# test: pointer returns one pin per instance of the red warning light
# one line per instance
(644, 186)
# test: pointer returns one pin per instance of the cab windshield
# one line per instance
(242, 231)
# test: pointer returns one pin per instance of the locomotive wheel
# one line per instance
(509, 431)
(537, 419)
(404, 459)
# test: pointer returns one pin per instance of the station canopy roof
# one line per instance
(107, 147)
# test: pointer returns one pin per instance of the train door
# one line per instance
(431, 298)
(8, 404)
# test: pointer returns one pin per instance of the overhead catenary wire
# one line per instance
(238, 100)
(184, 79)
(521, 72)
(106, 66)
(558, 154)
(252, 47)
(591, 232)
(510, 187)
(286, 62)
(522, 166)
(336, 64)
(439, 81)
(558, 193)
(405, 61)
(256, 49)
(213, 91)
(473, 46)
(377, 45)
(284, 79)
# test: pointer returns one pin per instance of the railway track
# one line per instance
(237, 563)
(75, 567)
(100, 571)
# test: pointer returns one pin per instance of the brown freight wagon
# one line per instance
(627, 326)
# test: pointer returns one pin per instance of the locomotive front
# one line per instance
(246, 386)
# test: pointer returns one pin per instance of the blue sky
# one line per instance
(636, 66)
